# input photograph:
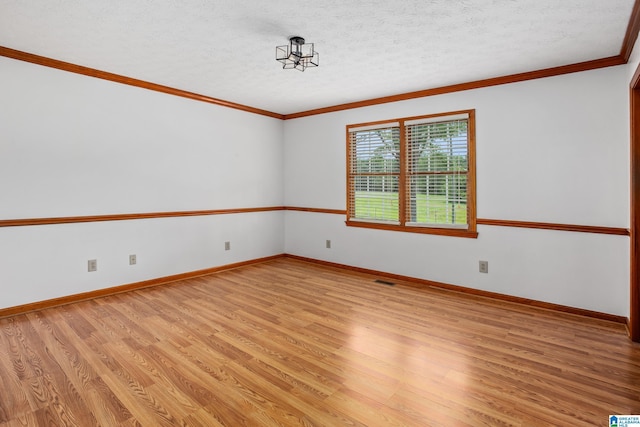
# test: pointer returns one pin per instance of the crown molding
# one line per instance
(117, 78)
(478, 84)
(631, 35)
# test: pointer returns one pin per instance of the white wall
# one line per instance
(548, 150)
(72, 145)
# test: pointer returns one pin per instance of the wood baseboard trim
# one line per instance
(407, 280)
(99, 293)
(421, 283)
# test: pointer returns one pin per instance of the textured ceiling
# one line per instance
(368, 48)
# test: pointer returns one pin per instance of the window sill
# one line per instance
(453, 232)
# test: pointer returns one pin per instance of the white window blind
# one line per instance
(437, 172)
(374, 173)
(413, 174)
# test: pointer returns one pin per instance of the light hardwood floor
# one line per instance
(289, 343)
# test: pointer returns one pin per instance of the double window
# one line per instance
(413, 174)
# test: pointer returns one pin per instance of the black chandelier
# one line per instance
(297, 54)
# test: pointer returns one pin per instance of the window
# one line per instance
(414, 174)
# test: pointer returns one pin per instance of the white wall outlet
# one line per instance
(227, 246)
(132, 259)
(328, 244)
(92, 265)
(484, 266)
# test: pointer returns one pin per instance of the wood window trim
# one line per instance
(439, 231)
(469, 232)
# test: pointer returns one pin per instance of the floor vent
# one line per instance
(384, 282)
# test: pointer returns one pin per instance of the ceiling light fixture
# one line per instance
(297, 54)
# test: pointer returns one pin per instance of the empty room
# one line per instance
(328, 213)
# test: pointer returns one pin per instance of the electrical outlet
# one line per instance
(328, 244)
(227, 246)
(92, 265)
(484, 266)
(132, 259)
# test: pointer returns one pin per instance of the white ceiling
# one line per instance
(368, 48)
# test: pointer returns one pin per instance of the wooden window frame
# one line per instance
(470, 231)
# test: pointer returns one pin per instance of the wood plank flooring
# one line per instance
(290, 343)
